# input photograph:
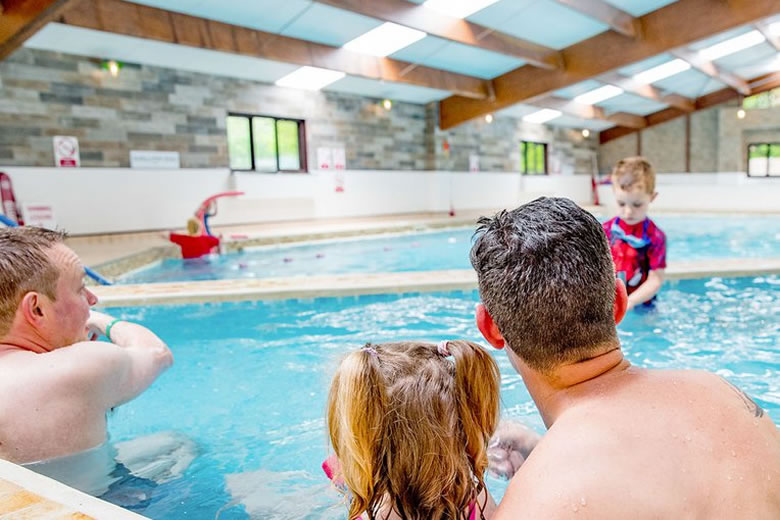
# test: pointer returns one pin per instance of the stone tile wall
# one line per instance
(43, 94)
(719, 140)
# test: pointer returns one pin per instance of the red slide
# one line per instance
(10, 209)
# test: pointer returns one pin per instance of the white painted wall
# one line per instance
(734, 192)
(109, 200)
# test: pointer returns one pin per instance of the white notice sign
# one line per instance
(153, 159)
(339, 158)
(39, 215)
(473, 162)
(324, 158)
(66, 151)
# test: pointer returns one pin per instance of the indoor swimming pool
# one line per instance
(689, 238)
(250, 380)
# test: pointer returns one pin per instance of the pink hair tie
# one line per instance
(370, 350)
(443, 348)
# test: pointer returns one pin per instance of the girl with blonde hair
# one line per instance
(410, 424)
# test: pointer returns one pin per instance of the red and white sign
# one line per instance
(324, 158)
(66, 151)
(40, 215)
(339, 158)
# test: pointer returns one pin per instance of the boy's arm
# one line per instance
(647, 290)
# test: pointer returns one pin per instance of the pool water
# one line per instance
(688, 238)
(250, 380)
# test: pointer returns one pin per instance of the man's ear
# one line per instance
(32, 308)
(488, 327)
(621, 300)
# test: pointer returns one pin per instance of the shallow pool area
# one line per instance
(689, 238)
(250, 380)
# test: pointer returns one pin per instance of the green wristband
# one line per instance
(108, 329)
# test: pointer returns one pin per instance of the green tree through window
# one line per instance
(266, 144)
(533, 158)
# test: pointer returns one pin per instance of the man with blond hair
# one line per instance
(56, 384)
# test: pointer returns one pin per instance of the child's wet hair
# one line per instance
(411, 426)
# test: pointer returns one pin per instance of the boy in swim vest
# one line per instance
(638, 246)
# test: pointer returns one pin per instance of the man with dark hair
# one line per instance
(622, 442)
(56, 384)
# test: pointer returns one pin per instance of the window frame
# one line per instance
(765, 174)
(301, 143)
(524, 170)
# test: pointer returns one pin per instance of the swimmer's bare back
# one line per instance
(653, 444)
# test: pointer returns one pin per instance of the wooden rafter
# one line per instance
(648, 91)
(772, 38)
(20, 19)
(451, 28)
(757, 85)
(120, 17)
(676, 25)
(617, 19)
(710, 69)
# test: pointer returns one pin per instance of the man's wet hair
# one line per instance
(25, 266)
(547, 279)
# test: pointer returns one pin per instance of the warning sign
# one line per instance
(41, 215)
(66, 151)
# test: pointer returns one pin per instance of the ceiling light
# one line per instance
(542, 116)
(387, 104)
(598, 95)
(586, 133)
(670, 68)
(458, 8)
(384, 40)
(489, 118)
(740, 114)
(732, 45)
(310, 78)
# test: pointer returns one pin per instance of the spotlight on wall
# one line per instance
(741, 114)
(489, 118)
(586, 133)
(387, 104)
(112, 66)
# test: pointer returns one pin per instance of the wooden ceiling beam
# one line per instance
(648, 91)
(760, 84)
(120, 17)
(673, 26)
(617, 19)
(453, 29)
(20, 19)
(710, 69)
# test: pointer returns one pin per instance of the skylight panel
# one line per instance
(665, 70)
(598, 95)
(310, 78)
(542, 116)
(458, 8)
(732, 45)
(384, 40)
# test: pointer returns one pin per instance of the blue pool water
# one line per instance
(689, 238)
(250, 380)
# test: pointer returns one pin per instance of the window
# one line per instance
(768, 99)
(764, 160)
(266, 144)
(533, 158)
